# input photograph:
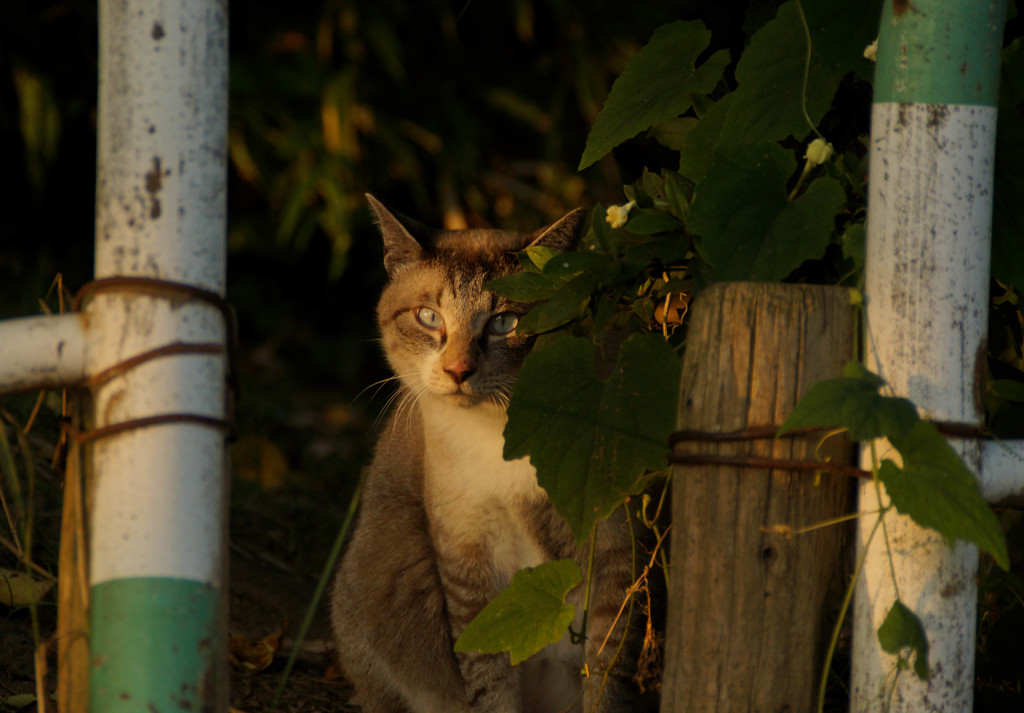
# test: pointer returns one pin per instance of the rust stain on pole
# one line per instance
(154, 181)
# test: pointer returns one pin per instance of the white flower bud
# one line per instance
(617, 215)
(818, 152)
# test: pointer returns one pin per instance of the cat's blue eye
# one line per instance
(501, 324)
(429, 318)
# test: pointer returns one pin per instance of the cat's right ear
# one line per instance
(399, 233)
(563, 234)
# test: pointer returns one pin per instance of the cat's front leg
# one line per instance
(492, 683)
(613, 638)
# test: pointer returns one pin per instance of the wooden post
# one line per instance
(748, 591)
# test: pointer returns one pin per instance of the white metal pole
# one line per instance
(158, 493)
(37, 352)
(1002, 470)
(927, 272)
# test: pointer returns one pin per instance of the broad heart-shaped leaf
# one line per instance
(564, 305)
(903, 630)
(526, 286)
(699, 145)
(656, 85)
(768, 103)
(651, 222)
(853, 403)
(530, 614)
(671, 133)
(576, 261)
(590, 439)
(539, 255)
(937, 490)
(749, 229)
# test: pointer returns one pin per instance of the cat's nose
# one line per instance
(459, 371)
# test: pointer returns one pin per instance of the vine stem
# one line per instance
(843, 609)
(581, 637)
(807, 69)
(652, 523)
(832, 521)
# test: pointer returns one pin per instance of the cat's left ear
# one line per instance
(563, 234)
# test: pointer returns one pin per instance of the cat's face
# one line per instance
(444, 335)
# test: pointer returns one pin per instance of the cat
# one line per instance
(444, 520)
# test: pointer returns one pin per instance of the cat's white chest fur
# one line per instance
(472, 493)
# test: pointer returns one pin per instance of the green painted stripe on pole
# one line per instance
(940, 52)
(155, 645)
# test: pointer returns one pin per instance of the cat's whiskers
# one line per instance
(502, 390)
(398, 392)
(407, 407)
(379, 384)
(499, 397)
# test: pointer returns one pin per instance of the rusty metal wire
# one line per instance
(84, 436)
(132, 362)
(170, 290)
(759, 433)
(767, 463)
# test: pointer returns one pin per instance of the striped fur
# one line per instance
(445, 521)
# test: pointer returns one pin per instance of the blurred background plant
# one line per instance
(463, 116)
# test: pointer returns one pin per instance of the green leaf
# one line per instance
(854, 403)
(768, 103)
(649, 222)
(539, 255)
(749, 229)
(525, 286)
(903, 630)
(566, 304)
(655, 86)
(677, 194)
(937, 490)
(854, 242)
(934, 487)
(530, 614)
(856, 370)
(591, 439)
(671, 133)
(649, 187)
(573, 263)
(699, 145)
